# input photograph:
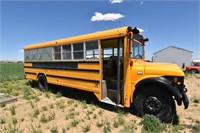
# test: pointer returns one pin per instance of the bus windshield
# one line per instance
(138, 50)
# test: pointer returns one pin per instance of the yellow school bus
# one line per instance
(111, 64)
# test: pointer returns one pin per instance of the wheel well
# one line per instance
(194, 69)
(40, 74)
(141, 87)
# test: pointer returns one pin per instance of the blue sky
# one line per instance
(165, 23)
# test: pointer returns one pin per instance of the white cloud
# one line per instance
(21, 51)
(106, 17)
(141, 30)
(115, 1)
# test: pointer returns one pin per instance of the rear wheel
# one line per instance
(42, 82)
(156, 101)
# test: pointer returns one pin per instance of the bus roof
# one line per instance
(112, 33)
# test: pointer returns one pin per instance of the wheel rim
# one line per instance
(152, 105)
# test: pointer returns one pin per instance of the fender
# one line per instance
(165, 83)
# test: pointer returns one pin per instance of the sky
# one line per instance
(165, 23)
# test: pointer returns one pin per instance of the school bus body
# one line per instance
(133, 76)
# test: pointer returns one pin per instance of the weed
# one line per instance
(36, 113)
(47, 94)
(44, 108)
(88, 112)
(27, 92)
(63, 130)
(84, 104)
(43, 119)
(151, 124)
(75, 105)
(94, 116)
(31, 103)
(196, 128)
(72, 109)
(12, 110)
(71, 115)
(106, 127)
(51, 106)
(14, 120)
(128, 128)
(70, 102)
(15, 93)
(2, 120)
(35, 129)
(54, 129)
(58, 94)
(37, 99)
(86, 128)
(61, 104)
(100, 112)
(52, 116)
(2, 105)
(99, 124)
(74, 123)
(119, 120)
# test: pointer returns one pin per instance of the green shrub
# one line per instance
(151, 124)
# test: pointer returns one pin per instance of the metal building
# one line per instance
(172, 54)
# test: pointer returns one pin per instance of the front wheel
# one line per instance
(156, 101)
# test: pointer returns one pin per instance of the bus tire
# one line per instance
(42, 82)
(155, 101)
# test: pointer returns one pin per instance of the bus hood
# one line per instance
(166, 69)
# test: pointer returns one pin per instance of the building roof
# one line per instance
(174, 48)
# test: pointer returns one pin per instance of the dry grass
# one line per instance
(67, 110)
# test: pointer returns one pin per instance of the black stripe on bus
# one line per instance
(30, 73)
(71, 69)
(56, 65)
(78, 79)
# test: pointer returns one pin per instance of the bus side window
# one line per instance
(57, 52)
(92, 51)
(78, 50)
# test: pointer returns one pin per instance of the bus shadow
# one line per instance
(87, 97)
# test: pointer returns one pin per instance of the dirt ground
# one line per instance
(79, 111)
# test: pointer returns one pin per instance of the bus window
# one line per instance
(67, 52)
(138, 50)
(92, 50)
(57, 52)
(78, 51)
